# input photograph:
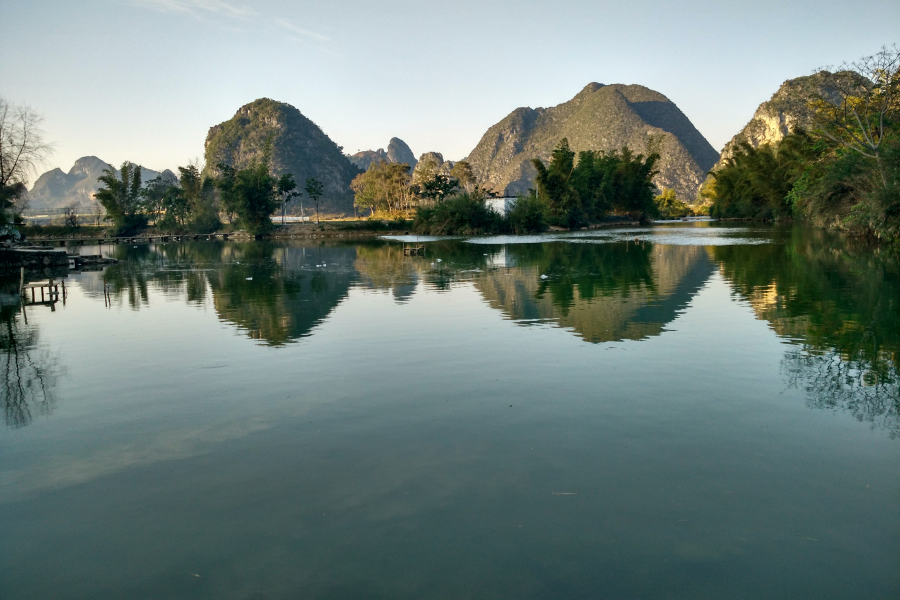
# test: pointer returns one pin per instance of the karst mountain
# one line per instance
(599, 117)
(397, 152)
(296, 145)
(57, 189)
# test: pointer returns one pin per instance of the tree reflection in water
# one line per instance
(274, 293)
(868, 391)
(839, 300)
(28, 370)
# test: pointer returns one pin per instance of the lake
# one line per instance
(681, 411)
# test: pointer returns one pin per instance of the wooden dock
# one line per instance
(49, 293)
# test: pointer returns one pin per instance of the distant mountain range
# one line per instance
(55, 189)
(298, 146)
(599, 117)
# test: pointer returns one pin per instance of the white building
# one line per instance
(501, 205)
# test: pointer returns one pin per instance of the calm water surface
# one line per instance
(711, 412)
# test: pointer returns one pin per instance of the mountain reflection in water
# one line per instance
(338, 420)
(835, 300)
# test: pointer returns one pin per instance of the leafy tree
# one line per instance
(121, 196)
(176, 207)
(462, 214)
(199, 192)
(756, 182)
(858, 105)
(153, 195)
(252, 193)
(12, 199)
(314, 190)
(383, 187)
(528, 214)
(462, 172)
(601, 182)
(225, 183)
(438, 187)
(668, 205)
(555, 187)
(287, 191)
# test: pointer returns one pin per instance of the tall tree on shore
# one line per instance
(121, 197)
(314, 190)
(287, 191)
(22, 150)
(462, 172)
(252, 193)
(554, 185)
(383, 187)
(858, 105)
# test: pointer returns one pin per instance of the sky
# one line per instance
(144, 80)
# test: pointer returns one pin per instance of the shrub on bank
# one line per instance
(528, 215)
(461, 214)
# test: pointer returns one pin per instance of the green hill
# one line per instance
(600, 117)
(298, 146)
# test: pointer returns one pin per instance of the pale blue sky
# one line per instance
(143, 80)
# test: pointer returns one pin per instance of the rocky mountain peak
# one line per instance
(599, 117)
(298, 146)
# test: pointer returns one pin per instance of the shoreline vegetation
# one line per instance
(839, 170)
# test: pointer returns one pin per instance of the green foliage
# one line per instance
(669, 206)
(602, 182)
(555, 187)
(287, 191)
(528, 214)
(314, 189)
(755, 182)
(251, 193)
(462, 172)
(199, 194)
(438, 186)
(384, 187)
(460, 214)
(811, 177)
(10, 198)
(120, 193)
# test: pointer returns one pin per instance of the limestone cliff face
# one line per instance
(55, 189)
(776, 117)
(363, 159)
(299, 147)
(431, 163)
(600, 117)
(397, 152)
